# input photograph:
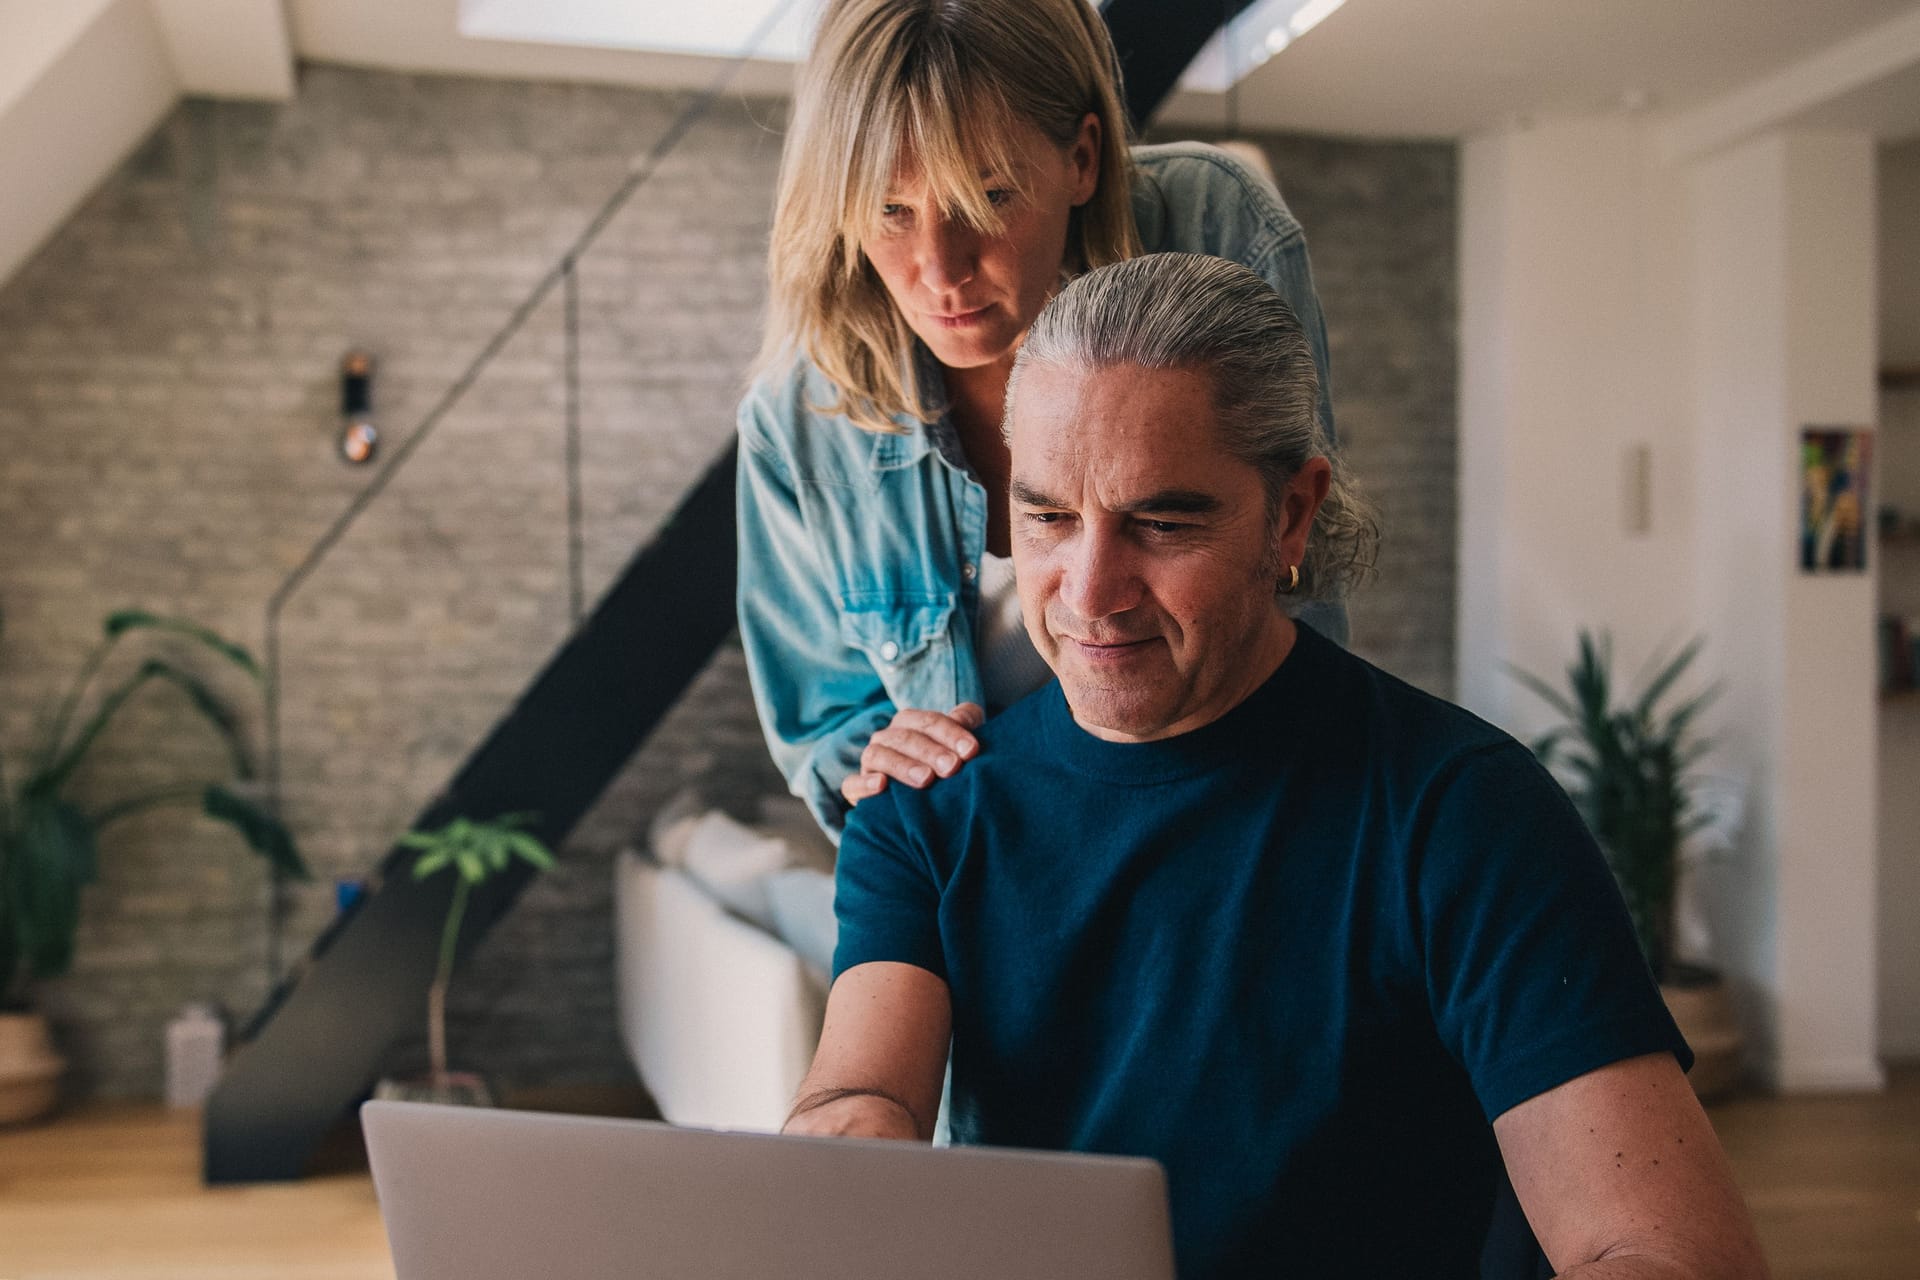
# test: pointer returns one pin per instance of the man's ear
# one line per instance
(1084, 155)
(1299, 504)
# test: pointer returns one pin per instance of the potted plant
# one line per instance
(49, 839)
(474, 852)
(1629, 771)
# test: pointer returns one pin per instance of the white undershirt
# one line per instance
(1010, 667)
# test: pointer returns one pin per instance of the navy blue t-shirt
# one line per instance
(1303, 956)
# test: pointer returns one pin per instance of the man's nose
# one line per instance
(1101, 577)
(949, 253)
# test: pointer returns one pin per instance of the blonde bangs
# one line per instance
(938, 130)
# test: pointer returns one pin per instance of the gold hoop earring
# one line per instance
(1293, 580)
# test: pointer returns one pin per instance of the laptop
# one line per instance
(473, 1193)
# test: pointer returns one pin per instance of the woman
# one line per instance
(950, 163)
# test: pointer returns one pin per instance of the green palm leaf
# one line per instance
(263, 832)
(53, 858)
(48, 847)
(1544, 691)
(1628, 771)
(125, 620)
(1658, 686)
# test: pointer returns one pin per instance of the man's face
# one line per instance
(1146, 560)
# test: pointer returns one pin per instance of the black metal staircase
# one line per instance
(319, 1046)
(327, 1029)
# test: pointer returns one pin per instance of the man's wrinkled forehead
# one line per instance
(1052, 397)
(1138, 428)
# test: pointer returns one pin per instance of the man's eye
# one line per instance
(1164, 526)
(1045, 517)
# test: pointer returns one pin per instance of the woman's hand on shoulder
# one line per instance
(917, 747)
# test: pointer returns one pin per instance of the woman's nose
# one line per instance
(949, 253)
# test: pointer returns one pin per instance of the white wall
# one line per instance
(1829, 839)
(1744, 498)
(36, 34)
(228, 48)
(1571, 238)
(1707, 310)
(81, 84)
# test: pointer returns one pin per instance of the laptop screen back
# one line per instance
(473, 1194)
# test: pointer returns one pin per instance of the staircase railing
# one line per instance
(564, 274)
(328, 1027)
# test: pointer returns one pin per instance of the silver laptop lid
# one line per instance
(477, 1194)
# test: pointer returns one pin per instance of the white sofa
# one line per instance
(719, 1014)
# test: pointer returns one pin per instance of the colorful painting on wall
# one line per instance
(1835, 464)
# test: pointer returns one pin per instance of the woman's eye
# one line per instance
(999, 196)
(893, 212)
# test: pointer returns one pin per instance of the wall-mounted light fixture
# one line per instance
(359, 438)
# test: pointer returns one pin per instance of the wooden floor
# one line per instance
(1833, 1182)
(114, 1192)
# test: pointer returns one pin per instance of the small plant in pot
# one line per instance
(473, 852)
(1629, 769)
(50, 838)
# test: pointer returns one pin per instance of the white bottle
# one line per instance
(196, 1040)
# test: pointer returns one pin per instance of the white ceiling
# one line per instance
(1396, 68)
(423, 35)
(1888, 108)
(82, 81)
(1448, 68)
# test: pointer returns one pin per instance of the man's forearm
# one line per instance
(854, 1113)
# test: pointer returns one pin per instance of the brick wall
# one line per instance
(168, 386)
(1380, 222)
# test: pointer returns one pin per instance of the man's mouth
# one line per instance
(1106, 649)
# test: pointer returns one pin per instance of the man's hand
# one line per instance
(883, 1052)
(1621, 1176)
(917, 747)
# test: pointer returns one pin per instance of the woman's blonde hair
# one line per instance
(948, 80)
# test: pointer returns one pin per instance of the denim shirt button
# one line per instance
(889, 651)
(968, 570)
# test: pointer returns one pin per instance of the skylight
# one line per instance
(715, 28)
(722, 28)
(1260, 31)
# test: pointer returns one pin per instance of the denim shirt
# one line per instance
(860, 551)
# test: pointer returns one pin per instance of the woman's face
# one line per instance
(971, 296)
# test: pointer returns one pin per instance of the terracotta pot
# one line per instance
(29, 1068)
(1702, 1004)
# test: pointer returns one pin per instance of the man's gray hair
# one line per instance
(1188, 311)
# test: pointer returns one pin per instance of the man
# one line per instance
(1329, 948)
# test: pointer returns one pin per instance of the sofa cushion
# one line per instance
(801, 902)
